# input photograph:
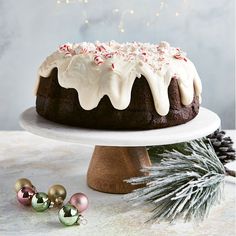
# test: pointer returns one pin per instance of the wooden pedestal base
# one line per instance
(110, 166)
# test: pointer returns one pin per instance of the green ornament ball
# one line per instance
(40, 202)
(68, 215)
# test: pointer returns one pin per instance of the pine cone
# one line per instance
(223, 146)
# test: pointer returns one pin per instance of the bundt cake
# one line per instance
(129, 86)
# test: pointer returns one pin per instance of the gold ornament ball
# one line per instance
(57, 193)
(23, 182)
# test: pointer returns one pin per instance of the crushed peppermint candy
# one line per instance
(98, 60)
(179, 57)
(155, 55)
(67, 49)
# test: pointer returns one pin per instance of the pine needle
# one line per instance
(185, 184)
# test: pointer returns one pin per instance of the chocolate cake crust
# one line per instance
(62, 105)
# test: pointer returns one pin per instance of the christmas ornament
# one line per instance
(23, 182)
(40, 201)
(57, 194)
(24, 195)
(223, 146)
(186, 184)
(68, 215)
(80, 201)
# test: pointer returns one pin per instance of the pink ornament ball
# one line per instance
(80, 201)
(25, 195)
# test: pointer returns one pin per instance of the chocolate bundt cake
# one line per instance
(132, 86)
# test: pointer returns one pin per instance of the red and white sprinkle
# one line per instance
(178, 56)
(67, 49)
(98, 60)
(156, 56)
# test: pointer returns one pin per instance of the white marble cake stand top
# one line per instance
(203, 124)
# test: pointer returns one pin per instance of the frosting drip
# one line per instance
(99, 69)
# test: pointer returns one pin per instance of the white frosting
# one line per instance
(99, 69)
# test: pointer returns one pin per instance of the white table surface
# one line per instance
(48, 162)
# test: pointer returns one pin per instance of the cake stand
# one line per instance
(119, 155)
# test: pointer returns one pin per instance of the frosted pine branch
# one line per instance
(186, 184)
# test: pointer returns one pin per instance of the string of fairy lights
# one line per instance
(124, 14)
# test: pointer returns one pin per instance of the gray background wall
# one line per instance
(31, 29)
